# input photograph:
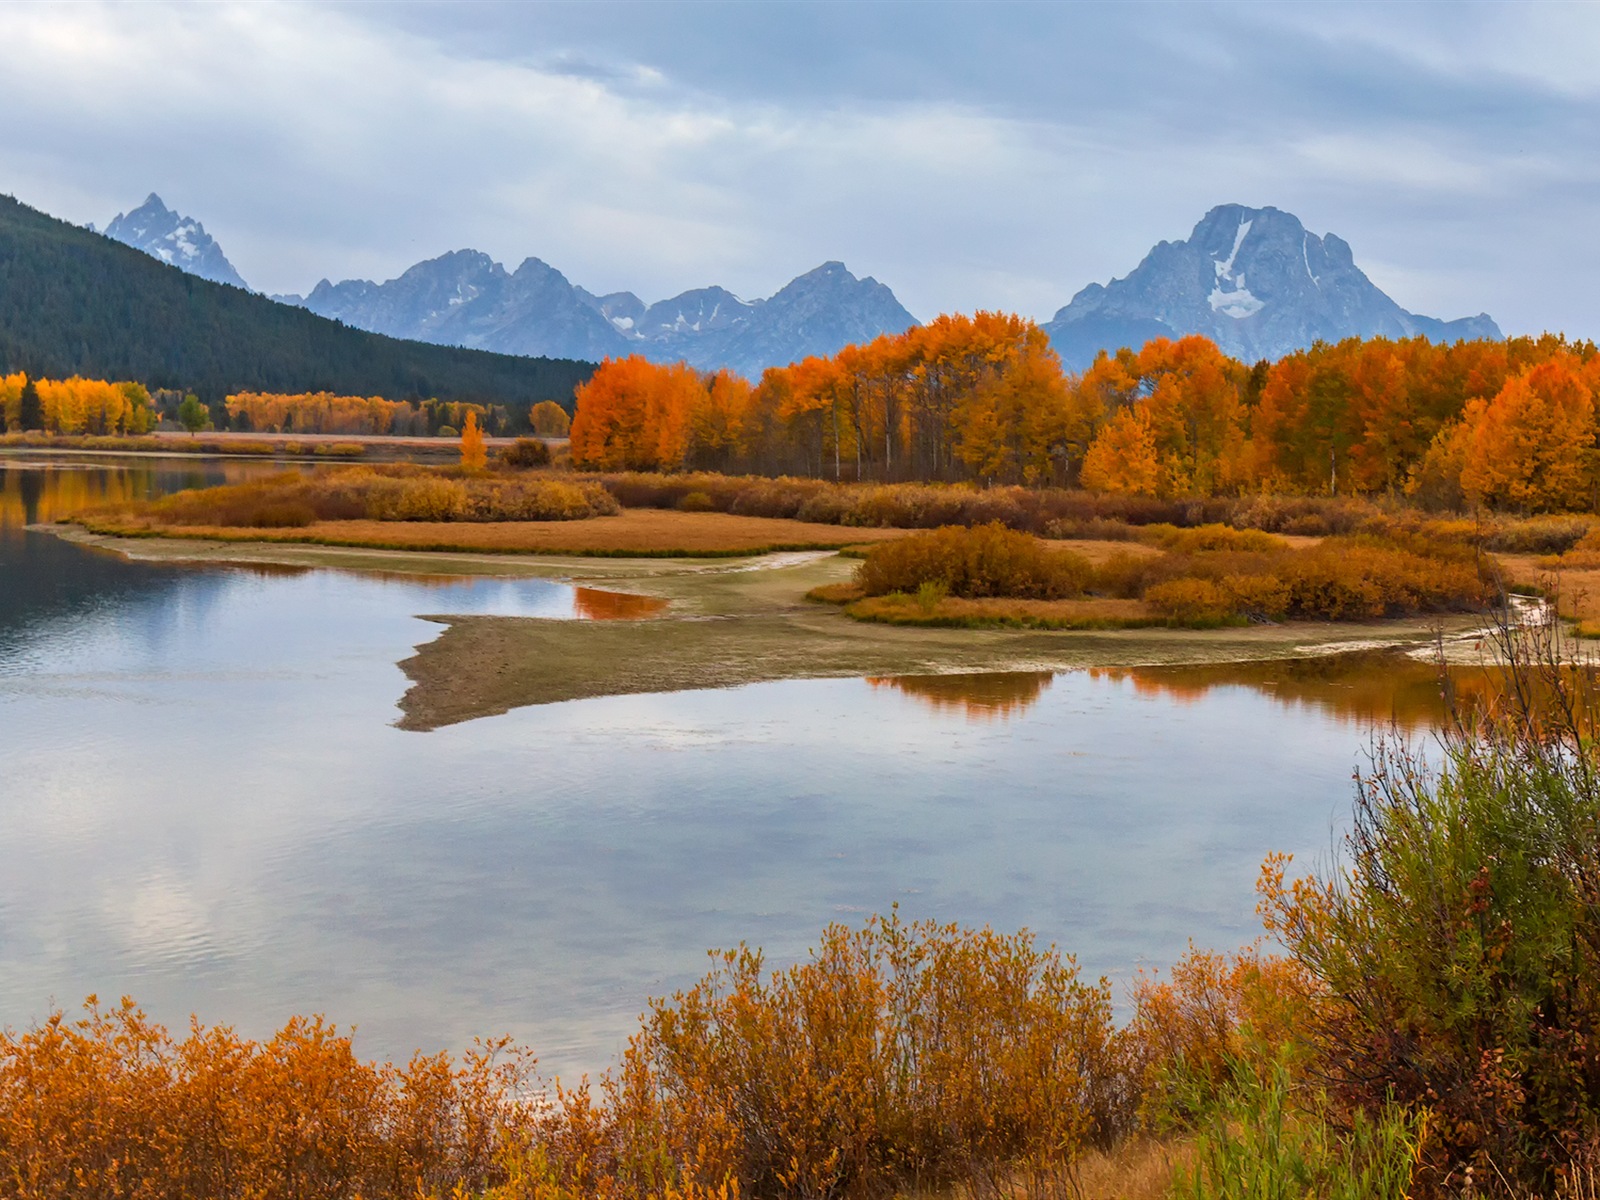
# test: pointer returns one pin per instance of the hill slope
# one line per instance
(1254, 281)
(74, 302)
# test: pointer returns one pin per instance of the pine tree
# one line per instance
(31, 415)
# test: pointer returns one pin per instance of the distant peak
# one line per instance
(155, 200)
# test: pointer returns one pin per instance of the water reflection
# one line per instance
(1379, 687)
(978, 696)
(592, 604)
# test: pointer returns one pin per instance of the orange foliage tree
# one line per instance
(474, 457)
(984, 398)
(1532, 447)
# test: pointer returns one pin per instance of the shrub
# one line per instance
(1190, 602)
(696, 502)
(898, 1056)
(111, 1105)
(396, 493)
(1362, 578)
(1262, 597)
(1541, 535)
(526, 452)
(1456, 944)
(1210, 537)
(989, 560)
(447, 431)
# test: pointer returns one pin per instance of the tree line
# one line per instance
(98, 407)
(1508, 424)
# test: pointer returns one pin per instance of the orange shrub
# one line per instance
(989, 560)
(111, 1105)
(391, 493)
(1190, 601)
(899, 1056)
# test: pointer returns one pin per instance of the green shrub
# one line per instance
(1458, 943)
(987, 561)
(696, 502)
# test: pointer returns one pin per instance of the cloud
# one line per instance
(996, 156)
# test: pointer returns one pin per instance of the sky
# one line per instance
(988, 155)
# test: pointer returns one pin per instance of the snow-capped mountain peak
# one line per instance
(1256, 282)
(177, 240)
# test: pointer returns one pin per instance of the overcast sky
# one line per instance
(993, 155)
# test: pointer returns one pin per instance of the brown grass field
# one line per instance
(640, 532)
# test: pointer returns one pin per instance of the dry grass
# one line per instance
(953, 611)
(1139, 1169)
(635, 532)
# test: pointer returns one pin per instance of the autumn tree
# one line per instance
(473, 455)
(549, 420)
(1532, 447)
(1017, 424)
(635, 415)
(1124, 457)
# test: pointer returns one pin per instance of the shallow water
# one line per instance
(206, 805)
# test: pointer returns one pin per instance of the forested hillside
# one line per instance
(75, 303)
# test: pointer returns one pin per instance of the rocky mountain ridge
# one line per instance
(177, 240)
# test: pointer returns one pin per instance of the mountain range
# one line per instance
(465, 298)
(1254, 280)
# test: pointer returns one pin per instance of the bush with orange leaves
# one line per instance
(900, 1056)
(111, 1105)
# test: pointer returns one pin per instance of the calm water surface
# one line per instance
(205, 804)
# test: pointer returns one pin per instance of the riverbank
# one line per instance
(741, 620)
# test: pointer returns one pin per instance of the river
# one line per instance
(206, 804)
